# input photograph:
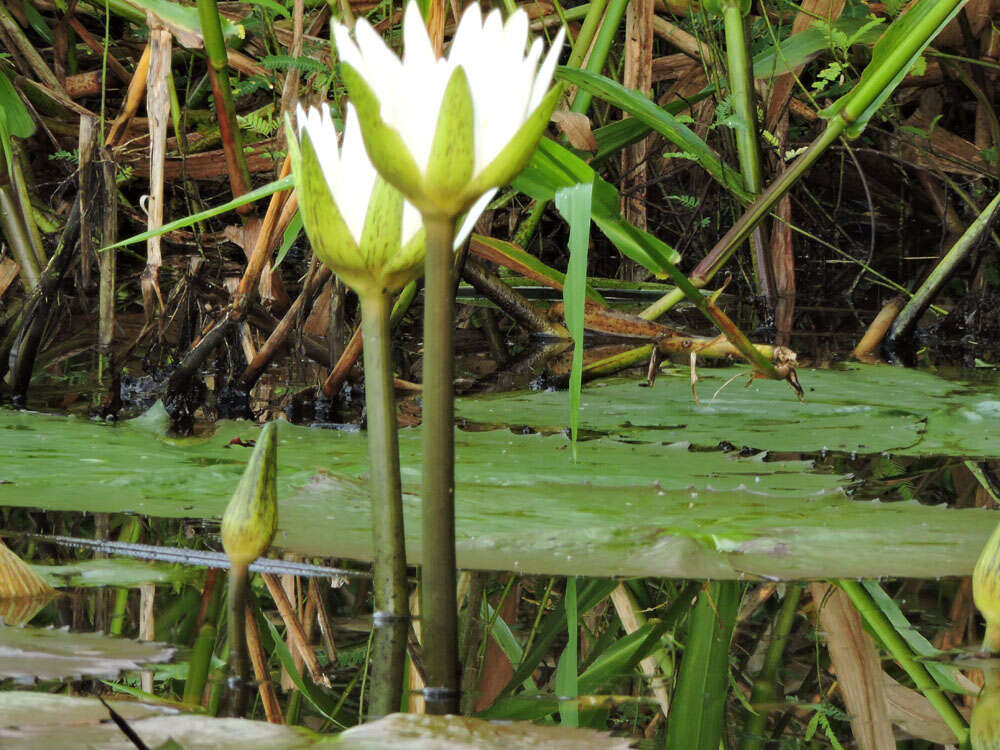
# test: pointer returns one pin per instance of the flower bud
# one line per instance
(250, 520)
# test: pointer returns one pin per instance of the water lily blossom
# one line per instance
(445, 131)
(358, 224)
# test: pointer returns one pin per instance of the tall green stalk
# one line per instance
(599, 55)
(438, 590)
(391, 599)
(740, 73)
(222, 92)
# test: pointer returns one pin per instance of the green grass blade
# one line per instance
(567, 685)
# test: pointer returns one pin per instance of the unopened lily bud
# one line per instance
(986, 590)
(250, 520)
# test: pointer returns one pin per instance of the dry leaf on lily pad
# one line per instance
(422, 732)
(30, 654)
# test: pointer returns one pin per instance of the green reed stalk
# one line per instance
(602, 47)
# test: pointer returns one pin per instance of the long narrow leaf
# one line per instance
(566, 676)
(574, 204)
(661, 121)
(262, 192)
(697, 715)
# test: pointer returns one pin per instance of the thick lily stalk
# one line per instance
(248, 526)
(362, 228)
(222, 92)
(438, 581)
(391, 590)
(893, 56)
(447, 133)
(959, 251)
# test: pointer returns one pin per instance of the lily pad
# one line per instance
(30, 654)
(853, 408)
(625, 508)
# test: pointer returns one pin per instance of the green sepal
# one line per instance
(517, 153)
(382, 231)
(250, 520)
(452, 159)
(328, 233)
(385, 146)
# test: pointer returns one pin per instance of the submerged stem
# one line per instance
(391, 600)
(438, 585)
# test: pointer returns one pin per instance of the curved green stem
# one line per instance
(438, 590)
(602, 46)
(391, 600)
(901, 652)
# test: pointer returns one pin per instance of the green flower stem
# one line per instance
(391, 596)
(740, 74)
(764, 686)
(901, 652)
(239, 661)
(438, 589)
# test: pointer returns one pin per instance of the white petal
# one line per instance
(412, 222)
(356, 178)
(470, 219)
(544, 77)
(465, 43)
(515, 32)
(347, 50)
(417, 49)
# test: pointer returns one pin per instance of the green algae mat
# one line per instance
(648, 497)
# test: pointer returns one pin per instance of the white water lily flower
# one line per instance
(359, 225)
(444, 131)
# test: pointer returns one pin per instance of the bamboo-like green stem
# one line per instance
(587, 30)
(391, 595)
(740, 72)
(901, 652)
(218, 59)
(764, 686)
(438, 589)
(239, 661)
(599, 55)
(958, 252)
